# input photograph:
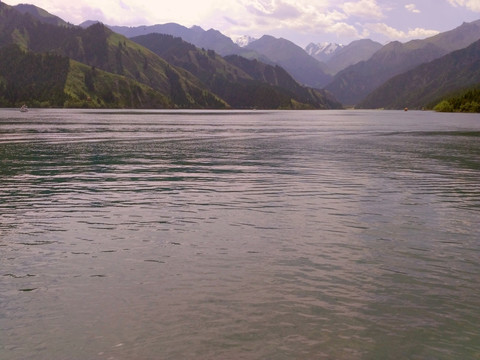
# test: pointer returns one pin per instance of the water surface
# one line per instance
(239, 235)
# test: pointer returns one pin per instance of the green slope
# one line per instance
(109, 70)
(49, 80)
(242, 83)
(426, 84)
(464, 101)
(103, 49)
(354, 83)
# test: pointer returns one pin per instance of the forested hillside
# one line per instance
(240, 82)
(96, 67)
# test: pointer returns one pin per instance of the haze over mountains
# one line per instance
(363, 73)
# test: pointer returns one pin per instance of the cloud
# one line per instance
(270, 16)
(343, 29)
(275, 9)
(412, 8)
(473, 5)
(392, 33)
(364, 8)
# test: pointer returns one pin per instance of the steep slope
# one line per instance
(99, 47)
(41, 15)
(28, 32)
(429, 82)
(354, 83)
(277, 76)
(242, 83)
(292, 58)
(48, 80)
(107, 69)
(93, 88)
(26, 76)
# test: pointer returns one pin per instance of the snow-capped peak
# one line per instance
(324, 48)
(244, 40)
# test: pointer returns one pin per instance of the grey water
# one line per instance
(239, 235)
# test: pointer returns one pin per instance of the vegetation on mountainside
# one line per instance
(466, 101)
(88, 87)
(423, 86)
(241, 82)
(38, 79)
(100, 48)
(105, 69)
(49, 80)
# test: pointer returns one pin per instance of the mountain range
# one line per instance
(238, 80)
(354, 83)
(268, 49)
(106, 69)
(427, 83)
(171, 65)
(350, 72)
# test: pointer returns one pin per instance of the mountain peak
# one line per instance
(197, 28)
(41, 14)
(323, 51)
(244, 40)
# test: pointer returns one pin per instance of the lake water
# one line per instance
(239, 235)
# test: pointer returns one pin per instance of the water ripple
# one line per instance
(327, 235)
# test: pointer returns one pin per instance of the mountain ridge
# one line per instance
(108, 62)
(354, 83)
(426, 84)
(294, 59)
(230, 76)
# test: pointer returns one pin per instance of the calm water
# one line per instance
(239, 235)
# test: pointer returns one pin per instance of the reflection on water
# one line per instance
(243, 235)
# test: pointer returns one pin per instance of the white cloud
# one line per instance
(363, 8)
(395, 34)
(292, 19)
(269, 16)
(473, 5)
(343, 29)
(412, 8)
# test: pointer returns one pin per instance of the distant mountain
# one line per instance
(323, 51)
(351, 54)
(428, 83)
(292, 58)
(338, 57)
(41, 15)
(207, 39)
(241, 82)
(295, 60)
(354, 83)
(277, 76)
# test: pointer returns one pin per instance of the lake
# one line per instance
(239, 235)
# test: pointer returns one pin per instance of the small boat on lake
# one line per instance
(24, 108)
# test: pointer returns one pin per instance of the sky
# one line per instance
(300, 21)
